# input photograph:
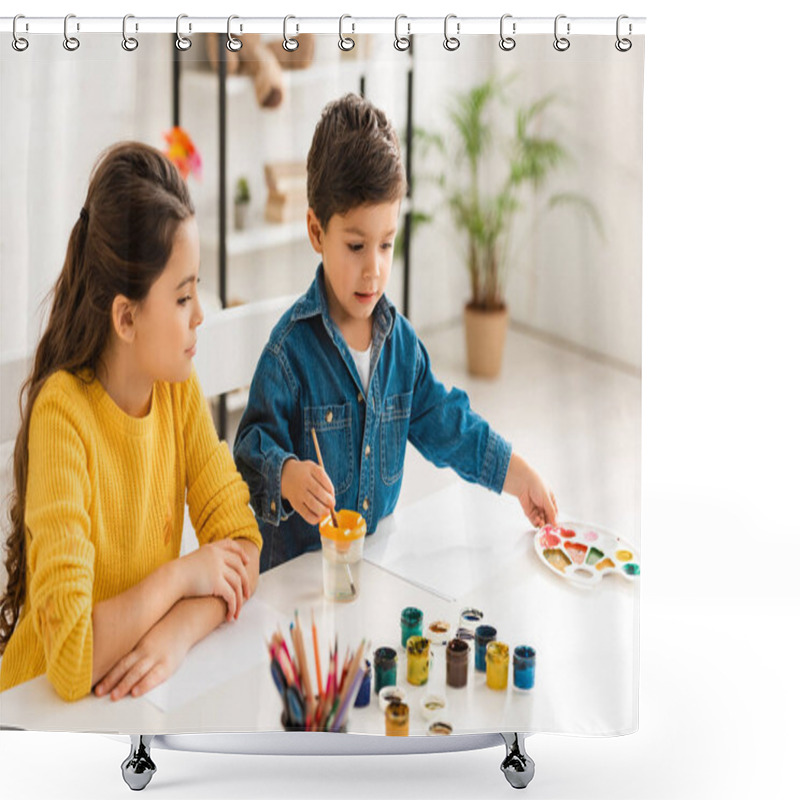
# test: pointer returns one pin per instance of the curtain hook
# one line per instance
(401, 42)
(18, 42)
(561, 43)
(71, 43)
(233, 44)
(128, 42)
(623, 45)
(451, 42)
(182, 43)
(289, 44)
(507, 42)
(345, 42)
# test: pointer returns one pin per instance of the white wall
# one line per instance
(563, 278)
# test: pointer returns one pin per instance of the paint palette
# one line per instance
(585, 554)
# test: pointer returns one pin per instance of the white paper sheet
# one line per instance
(230, 650)
(446, 542)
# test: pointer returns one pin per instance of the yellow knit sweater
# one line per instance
(105, 507)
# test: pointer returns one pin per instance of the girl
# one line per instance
(115, 432)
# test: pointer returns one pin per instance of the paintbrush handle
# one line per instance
(319, 459)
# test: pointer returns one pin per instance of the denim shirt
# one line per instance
(306, 378)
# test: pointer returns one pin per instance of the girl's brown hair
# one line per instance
(119, 245)
(354, 159)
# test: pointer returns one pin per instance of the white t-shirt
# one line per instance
(362, 357)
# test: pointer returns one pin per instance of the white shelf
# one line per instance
(259, 237)
(206, 80)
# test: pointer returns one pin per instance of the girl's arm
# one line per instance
(220, 570)
(163, 648)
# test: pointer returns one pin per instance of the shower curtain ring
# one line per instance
(71, 43)
(233, 44)
(451, 42)
(129, 43)
(507, 42)
(623, 45)
(19, 43)
(345, 42)
(289, 44)
(561, 43)
(182, 43)
(401, 42)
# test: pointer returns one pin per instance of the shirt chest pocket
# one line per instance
(334, 427)
(395, 418)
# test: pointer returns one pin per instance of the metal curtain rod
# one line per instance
(462, 26)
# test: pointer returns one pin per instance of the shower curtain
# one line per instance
(523, 166)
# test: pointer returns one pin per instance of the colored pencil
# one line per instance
(316, 654)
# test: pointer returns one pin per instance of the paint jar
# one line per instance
(433, 705)
(397, 719)
(497, 665)
(418, 650)
(457, 663)
(362, 698)
(389, 695)
(470, 618)
(410, 623)
(524, 667)
(438, 632)
(483, 635)
(385, 667)
(440, 729)
(342, 549)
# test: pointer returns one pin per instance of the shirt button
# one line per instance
(329, 416)
(272, 506)
(360, 397)
(367, 450)
(365, 505)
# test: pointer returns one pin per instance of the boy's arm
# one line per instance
(263, 442)
(449, 433)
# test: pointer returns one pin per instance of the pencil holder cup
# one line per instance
(342, 550)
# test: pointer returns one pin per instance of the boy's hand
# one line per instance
(537, 500)
(308, 488)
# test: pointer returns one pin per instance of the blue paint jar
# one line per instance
(410, 623)
(524, 667)
(385, 659)
(362, 698)
(483, 635)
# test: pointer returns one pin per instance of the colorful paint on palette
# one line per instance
(558, 559)
(594, 556)
(576, 551)
(568, 551)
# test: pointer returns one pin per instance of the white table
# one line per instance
(586, 641)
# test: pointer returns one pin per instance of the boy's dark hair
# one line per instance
(354, 159)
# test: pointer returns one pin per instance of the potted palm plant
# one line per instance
(483, 187)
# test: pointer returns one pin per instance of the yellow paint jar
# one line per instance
(497, 665)
(418, 650)
(397, 719)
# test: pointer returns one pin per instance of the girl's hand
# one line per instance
(308, 488)
(536, 498)
(157, 655)
(218, 569)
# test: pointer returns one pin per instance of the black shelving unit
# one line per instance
(222, 203)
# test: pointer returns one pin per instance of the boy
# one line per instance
(343, 362)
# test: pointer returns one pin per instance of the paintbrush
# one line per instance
(316, 655)
(319, 459)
